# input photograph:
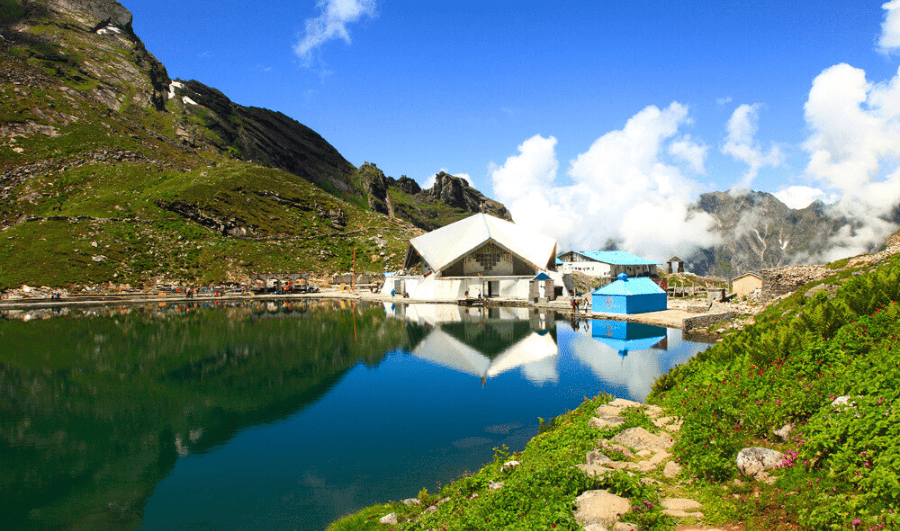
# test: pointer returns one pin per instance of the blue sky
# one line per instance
(556, 107)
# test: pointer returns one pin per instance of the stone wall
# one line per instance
(785, 280)
(702, 321)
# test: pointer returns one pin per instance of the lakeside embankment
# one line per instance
(791, 423)
(684, 314)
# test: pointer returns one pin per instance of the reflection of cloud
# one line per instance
(503, 429)
(471, 442)
(637, 371)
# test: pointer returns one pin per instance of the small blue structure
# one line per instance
(628, 296)
(626, 336)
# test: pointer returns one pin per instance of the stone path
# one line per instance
(601, 510)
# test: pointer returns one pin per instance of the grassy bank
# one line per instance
(840, 469)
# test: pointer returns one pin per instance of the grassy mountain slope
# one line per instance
(111, 172)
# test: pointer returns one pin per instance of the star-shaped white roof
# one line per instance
(445, 245)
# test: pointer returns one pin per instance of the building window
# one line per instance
(488, 258)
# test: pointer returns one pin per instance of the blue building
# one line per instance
(628, 296)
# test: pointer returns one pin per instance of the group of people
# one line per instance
(579, 303)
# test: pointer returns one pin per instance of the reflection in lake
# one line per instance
(280, 415)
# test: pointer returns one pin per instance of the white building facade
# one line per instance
(606, 264)
(479, 256)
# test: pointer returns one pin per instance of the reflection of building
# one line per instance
(626, 336)
(629, 296)
(480, 256)
(629, 355)
(606, 264)
(485, 342)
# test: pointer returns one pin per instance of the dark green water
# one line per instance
(280, 416)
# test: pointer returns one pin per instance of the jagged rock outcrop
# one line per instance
(375, 185)
(96, 13)
(456, 192)
(408, 186)
(448, 200)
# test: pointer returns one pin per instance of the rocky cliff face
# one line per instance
(95, 14)
(760, 232)
(450, 199)
(265, 137)
(456, 192)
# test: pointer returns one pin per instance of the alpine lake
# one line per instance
(284, 414)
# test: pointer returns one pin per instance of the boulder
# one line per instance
(622, 403)
(605, 422)
(600, 507)
(680, 504)
(671, 470)
(752, 461)
(596, 457)
(785, 432)
(389, 519)
(641, 439)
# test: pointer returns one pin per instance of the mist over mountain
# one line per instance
(758, 231)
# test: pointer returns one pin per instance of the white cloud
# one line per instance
(534, 167)
(723, 101)
(628, 186)
(741, 145)
(798, 197)
(890, 28)
(694, 153)
(332, 24)
(429, 182)
(853, 147)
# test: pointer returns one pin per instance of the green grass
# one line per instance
(787, 369)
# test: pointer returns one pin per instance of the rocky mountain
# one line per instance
(760, 232)
(112, 171)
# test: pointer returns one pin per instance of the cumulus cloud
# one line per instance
(741, 145)
(890, 29)
(694, 153)
(853, 147)
(798, 197)
(629, 186)
(332, 24)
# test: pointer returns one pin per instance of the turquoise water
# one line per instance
(283, 416)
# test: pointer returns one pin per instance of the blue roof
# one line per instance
(631, 286)
(616, 257)
(541, 276)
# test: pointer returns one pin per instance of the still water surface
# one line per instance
(284, 416)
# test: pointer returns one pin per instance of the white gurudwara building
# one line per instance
(479, 256)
